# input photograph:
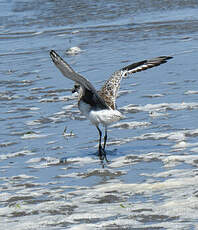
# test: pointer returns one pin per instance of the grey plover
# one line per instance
(100, 106)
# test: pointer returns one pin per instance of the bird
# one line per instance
(100, 106)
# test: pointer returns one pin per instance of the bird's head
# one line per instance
(76, 88)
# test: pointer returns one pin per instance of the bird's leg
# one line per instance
(100, 150)
(105, 138)
(105, 141)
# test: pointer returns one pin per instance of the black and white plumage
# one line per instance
(100, 106)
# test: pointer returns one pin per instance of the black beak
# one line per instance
(74, 90)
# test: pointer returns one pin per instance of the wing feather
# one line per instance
(110, 89)
(88, 89)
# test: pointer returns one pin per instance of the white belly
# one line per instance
(105, 117)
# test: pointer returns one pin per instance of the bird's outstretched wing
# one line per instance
(110, 89)
(89, 93)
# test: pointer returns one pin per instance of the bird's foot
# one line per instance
(102, 154)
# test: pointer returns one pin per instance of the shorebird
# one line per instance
(100, 106)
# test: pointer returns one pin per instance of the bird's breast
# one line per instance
(99, 116)
(84, 108)
(104, 116)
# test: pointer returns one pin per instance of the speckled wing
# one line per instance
(110, 89)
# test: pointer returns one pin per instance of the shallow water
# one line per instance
(51, 179)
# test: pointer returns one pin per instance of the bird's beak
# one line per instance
(74, 90)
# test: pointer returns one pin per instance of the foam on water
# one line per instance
(161, 107)
(101, 204)
(73, 50)
(33, 135)
(129, 125)
(16, 154)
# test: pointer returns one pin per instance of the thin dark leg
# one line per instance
(105, 141)
(101, 151)
(100, 146)
(105, 138)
